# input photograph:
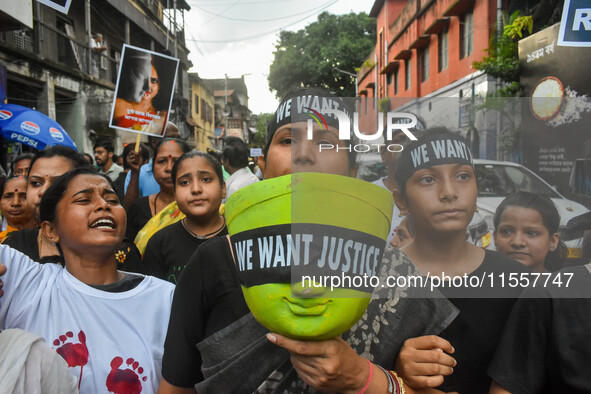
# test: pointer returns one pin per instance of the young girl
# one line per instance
(526, 229)
(16, 213)
(438, 189)
(199, 189)
(239, 358)
(545, 345)
(107, 324)
(141, 210)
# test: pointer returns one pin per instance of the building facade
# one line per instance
(202, 113)
(54, 68)
(423, 62)
(232, 116)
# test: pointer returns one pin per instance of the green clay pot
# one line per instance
(309, 198)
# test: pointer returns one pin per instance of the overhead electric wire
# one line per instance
(106, 20)
(194, 41)
(268, 32)
(265, 20)
(221, 12)
(193, 3)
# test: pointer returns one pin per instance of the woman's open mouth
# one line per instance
(104, 224)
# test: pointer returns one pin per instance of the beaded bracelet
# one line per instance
(368, 378)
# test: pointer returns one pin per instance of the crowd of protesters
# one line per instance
(127, 273)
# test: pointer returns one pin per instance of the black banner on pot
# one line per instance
(293, 253)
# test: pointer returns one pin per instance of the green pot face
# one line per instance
(315, 205)
(328, 315)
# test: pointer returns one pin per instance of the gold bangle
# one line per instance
(401, 383)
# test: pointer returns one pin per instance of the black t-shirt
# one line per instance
(128, 282)
(207, 298)
(169, 250)
(138, 214)
(120, 185)
(25, 241)
(546, 346)
(476, 331)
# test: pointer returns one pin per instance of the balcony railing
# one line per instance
(21, 39)
(51, 45)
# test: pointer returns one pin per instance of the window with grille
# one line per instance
(443, 50)
(425, 64)
(467, 34)
(407, 74)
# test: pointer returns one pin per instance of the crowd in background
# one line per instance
(101, 249)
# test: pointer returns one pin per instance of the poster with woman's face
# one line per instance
(60, 5)
(143, 95)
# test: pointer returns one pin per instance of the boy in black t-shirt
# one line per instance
(438, 189)
(208, 298)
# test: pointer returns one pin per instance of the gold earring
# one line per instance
(400, 214)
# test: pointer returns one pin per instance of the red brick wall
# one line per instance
(406, 26)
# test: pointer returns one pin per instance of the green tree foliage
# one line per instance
(260, 138)
(502, 61)
(308, 57)
(514, 30)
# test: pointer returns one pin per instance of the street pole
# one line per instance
(377, 89)
(225, 111)
(87, 22)
(499, 38)
(351, 75)
(175, 30)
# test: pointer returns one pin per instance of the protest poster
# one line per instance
(143, 95)
(60, 5)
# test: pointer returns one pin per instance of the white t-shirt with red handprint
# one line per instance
(113, 342)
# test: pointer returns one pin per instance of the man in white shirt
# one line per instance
(235, 161)
(98, 47)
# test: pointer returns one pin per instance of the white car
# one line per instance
(498, 179)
